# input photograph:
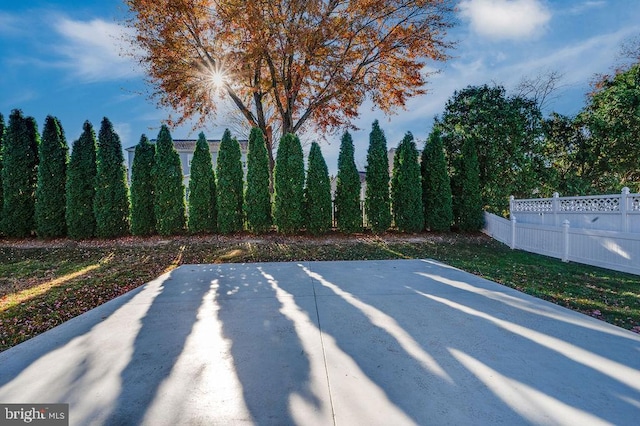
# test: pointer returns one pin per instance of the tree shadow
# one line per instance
(158, 344)
(270, 358)
(18, 358)
(390, 312)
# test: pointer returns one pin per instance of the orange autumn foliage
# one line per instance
(288, 63)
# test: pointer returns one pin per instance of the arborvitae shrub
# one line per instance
(80, 189)
(471, 216)
(317, 193)
(111, 204)
(436, 185)
(348, 212)
(52, 180)
(257, 199)
(168, 186)
(289, 185)
(406, 188)
(202, 190)
(143, 218)
(230, 185)
(377, 203)
(1, 190)
(19, 175)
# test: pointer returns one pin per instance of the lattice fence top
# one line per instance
(591, 204)
(601, 204)
(534, 206)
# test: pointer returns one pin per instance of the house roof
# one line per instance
(190, 144)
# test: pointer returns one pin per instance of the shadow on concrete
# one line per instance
(159, 343)
(270, 360)
(18, 358)
(486, 359)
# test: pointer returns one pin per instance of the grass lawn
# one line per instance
(44, 283)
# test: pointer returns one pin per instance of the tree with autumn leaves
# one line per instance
(288, 64)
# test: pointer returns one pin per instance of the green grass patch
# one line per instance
(45, 284)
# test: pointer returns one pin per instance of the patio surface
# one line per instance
(320, 343)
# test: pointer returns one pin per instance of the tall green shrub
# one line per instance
(111, 204)
(202, 190)
(377, 204)
(80, 189)
(230, 185)
(436, 185)
(470, 214)
(317, 193)
(257, 199)
(2, 129)
(289, 185)
(168, 186)
(19, 175)
(52, 180)
(406, 188)
(348, 212)
(143, 218)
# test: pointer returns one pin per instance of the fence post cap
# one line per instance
(512, 197)
(513, 218)
(556, 195)
(565, 223)
(626, 190)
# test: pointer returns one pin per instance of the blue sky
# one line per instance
(63, 58)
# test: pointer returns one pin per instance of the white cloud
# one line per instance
(505, 19)
(587, 5)
(93, 50)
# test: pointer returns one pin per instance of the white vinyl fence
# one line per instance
(600, 231)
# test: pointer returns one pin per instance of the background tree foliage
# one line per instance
(347, 199)
(143, 218)
(289, 185)
(436, 185)
(111, 202)
(52, 179)
(317, 193)
(571, 158)
(287, 63)
(80, 188)
(257, 198)
(168, 187)
(406, 187)
(377, 203)
(230, 185)
(507, 133)
(613, 117)
(19, 175)
(203, 215)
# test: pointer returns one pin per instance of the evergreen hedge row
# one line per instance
(43, 191)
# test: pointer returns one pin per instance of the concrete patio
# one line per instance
(321, 343)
